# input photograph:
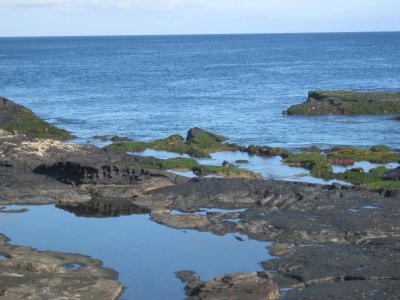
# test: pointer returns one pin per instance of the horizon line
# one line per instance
(194, 34)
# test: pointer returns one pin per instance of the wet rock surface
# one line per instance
(364, 271)
(26, 273)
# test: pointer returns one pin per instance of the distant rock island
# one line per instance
(347, 103)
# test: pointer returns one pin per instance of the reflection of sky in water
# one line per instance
(146, 254)
(365, 165)
(271, 167)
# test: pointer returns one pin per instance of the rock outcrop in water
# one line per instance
(347, 103)
(17, 118)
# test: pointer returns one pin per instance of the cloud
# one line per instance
(123, 5)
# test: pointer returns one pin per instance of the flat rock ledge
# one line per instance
(26, 273)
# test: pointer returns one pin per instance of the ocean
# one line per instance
(148, 87)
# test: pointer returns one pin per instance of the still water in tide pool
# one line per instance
(145, 254)
(148, 87)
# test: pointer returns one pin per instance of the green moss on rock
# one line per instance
(199, 143)
(318, 164)
(382, 184)
(17, 118)
(241, 161)
(359, 177)
(377, 154)
(347, 102)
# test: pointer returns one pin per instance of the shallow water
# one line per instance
(365, 165)
(271, 167)
(146, 254)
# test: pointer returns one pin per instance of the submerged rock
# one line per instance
(347, 102)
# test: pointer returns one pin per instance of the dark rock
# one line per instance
(201, 170)
(227, 164)
(392, 174)
(198, 135)
(20, 186)
(266, 151)
(395, 118)
(339, 272)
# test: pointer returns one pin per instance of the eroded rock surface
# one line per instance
(75, 164)
(20, 186)
(252, 286)
(26, 273)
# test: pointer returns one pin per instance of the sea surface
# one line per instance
(148, 87)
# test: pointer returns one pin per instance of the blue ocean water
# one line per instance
(148, 87)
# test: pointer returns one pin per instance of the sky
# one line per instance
(149, 17)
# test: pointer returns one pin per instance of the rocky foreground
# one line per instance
(329, 242)
(336, 242)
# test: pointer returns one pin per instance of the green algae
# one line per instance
(382, 184)
(241, 161)
(318, 164)
(22, 120)
(199, 143)
(376, 154)
(347, 102)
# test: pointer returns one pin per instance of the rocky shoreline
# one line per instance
(332, 241)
